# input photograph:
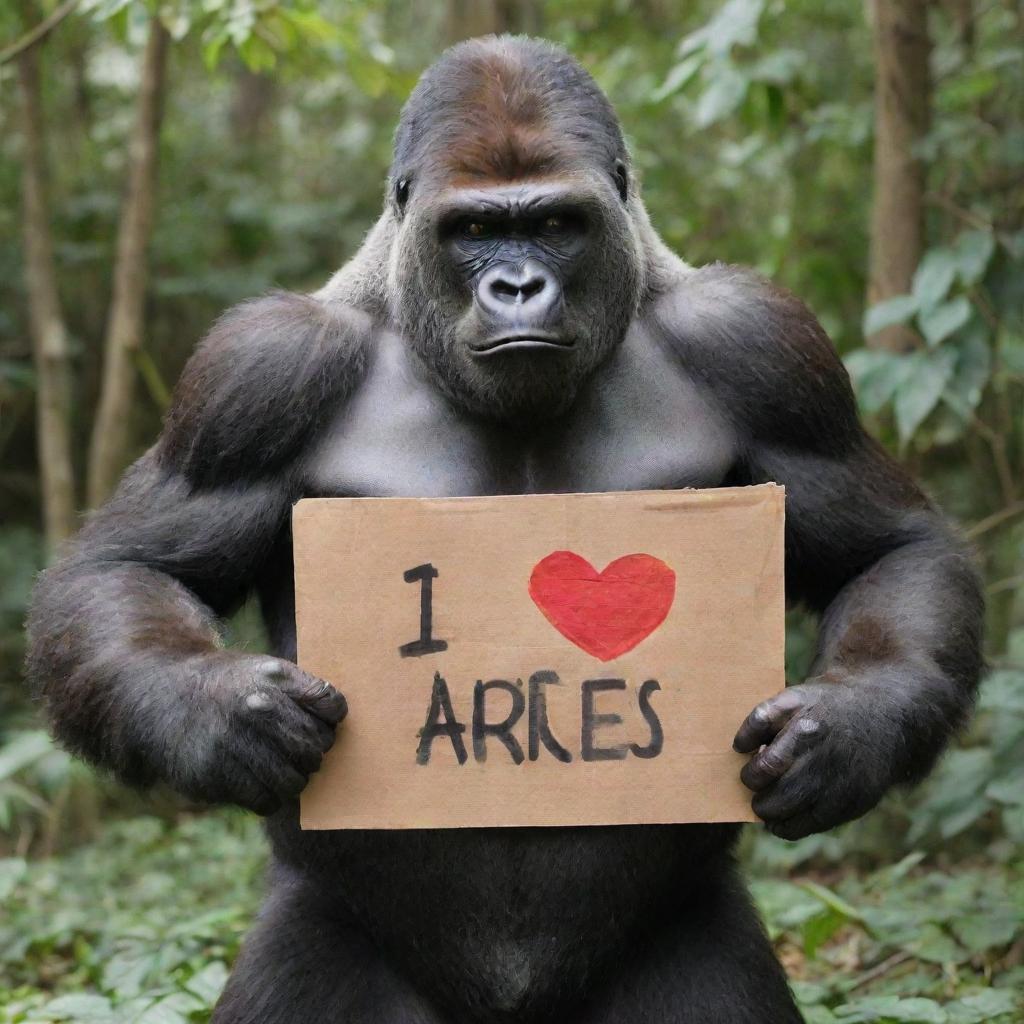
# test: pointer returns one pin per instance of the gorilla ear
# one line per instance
(401, 193)
(621, 175)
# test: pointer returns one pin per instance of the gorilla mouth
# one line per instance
(521, 341)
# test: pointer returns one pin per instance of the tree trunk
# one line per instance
(49, 334)
(112, 428)
(470, 18)
(902, 110)
(251, 107)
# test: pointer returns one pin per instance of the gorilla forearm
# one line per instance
(114, 651)
(899, 656)
(909, 631)
(124, 626)
(131, 668)
(900, 599)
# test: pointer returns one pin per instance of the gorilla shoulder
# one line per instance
(258, 384)
(762, 353)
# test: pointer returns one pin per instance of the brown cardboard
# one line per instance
(715, 648)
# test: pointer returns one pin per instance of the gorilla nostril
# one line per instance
(505, 291)
(532, 287)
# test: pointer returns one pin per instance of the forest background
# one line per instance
(162, 161)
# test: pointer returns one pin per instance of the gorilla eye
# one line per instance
(621, 176)
(477, 229)
(554, 224)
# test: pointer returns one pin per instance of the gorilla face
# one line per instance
(516, 265)
(513, 293)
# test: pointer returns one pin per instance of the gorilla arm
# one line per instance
(123, 644)
(899, 648)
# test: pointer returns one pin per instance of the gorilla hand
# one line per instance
(259, 730)
(826, 757)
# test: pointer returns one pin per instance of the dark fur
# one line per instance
(705, 378)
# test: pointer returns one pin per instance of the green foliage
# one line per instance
(142, 925)
(138, 927)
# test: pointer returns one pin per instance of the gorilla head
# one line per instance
(516, 266)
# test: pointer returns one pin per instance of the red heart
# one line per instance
(605, 613)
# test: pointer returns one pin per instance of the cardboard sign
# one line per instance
(540, 659)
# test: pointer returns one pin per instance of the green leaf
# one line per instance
(1008, 790)
(921, 390)
(973, 369)
(982, 932)
(679, 77)
(896, 310)
(819, 930)
(1011, 351)
(981, 1008)
(724, 93)
(974, 251)
(212, 48)
(778, 68)
(80, 1008)
(176, 1008)
(209, 982)
(938, 322)
(12, 870)
(892, 1008)
(934, 276)
(22, 750)
(933, 945)
(877, 375)
(832, 901)
(257, 54)
(735, 24)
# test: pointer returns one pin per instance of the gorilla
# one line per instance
(512, 324)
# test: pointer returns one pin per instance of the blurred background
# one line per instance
(159, 162)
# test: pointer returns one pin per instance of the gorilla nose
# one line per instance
(526, 291)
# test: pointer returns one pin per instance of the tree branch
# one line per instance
(40, 32)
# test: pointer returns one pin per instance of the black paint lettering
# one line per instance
(653, 749)
(426, 644)
(503, 729)
(441, 721)
(592, 721)
(539, 729)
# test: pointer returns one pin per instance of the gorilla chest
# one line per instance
(642, 423)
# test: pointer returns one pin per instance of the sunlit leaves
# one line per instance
(942, 308)
(973, 252)
(933, 277)
(940, 321)
(723, 93)
(897, 310)
(921, 390)
(735, 24)
(679, 77)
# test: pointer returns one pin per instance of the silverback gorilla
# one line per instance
(511, 325)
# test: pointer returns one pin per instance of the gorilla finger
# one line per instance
(761, 725)
(268, 764)
(298, 737)
(323, 701)
(247, 790)
(323, 735)
(303, 752)
(797, 827)
(791, 795)
(777, 758)
(314, 695)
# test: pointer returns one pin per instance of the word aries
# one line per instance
(442, 721)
